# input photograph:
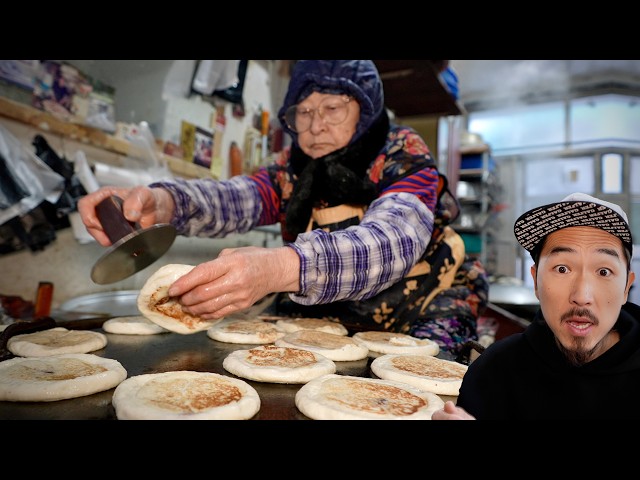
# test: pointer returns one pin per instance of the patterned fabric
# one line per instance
(414, 300)
(575, 210)
(372, 270)
(451, 317)
(210, 208)
(360, 261)
(443, 307)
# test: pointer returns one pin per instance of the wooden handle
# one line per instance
(44, 298)
(112, 218)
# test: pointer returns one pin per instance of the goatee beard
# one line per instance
(577, 356)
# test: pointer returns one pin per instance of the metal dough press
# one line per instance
(132, 247)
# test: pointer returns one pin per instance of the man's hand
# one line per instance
(451, 412)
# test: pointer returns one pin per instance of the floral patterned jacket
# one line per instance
(356, 259)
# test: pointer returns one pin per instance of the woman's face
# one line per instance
(322, 137)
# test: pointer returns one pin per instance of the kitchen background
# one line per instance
(511, 134)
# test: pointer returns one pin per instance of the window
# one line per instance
(522, 128)
(558, 177)
(605, 120)
(547, 151)
(611, 173)
(596, 121)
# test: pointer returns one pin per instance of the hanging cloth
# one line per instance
(212, 75)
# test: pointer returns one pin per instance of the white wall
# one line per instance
(66, 262)
(138, 87)
(257, 93)
(157, 91)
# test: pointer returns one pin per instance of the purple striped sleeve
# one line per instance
(361, 261)
(212, 208)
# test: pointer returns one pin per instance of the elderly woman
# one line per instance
(363, 211)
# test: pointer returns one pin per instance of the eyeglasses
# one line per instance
(333, 110)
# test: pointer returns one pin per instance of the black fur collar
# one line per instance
(335, 179)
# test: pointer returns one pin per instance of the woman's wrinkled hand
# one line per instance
(237, 279)
(143, 205)
(451, 412)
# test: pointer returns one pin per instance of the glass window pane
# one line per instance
(634, 214)
(634, 178)
(605, 120)
(611, 173)
(555, 178)
(521, 128)
(634, 223)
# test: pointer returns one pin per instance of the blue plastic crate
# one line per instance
(474, 161)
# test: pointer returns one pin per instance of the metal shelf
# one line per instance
(477, 203)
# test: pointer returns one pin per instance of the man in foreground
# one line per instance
(580, 357)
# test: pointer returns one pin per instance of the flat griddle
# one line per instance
(164, 352)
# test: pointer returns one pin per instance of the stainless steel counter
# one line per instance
(141, 354)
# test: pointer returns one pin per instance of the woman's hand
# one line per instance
(143, 205)
(237, 279)
(451, 412)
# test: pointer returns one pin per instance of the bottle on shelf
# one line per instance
(235, 160)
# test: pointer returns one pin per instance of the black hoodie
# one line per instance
(525, 376)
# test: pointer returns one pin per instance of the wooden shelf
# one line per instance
(414, 88)
(473, 149)
(92, 136)
(49, 123)
(471, 172)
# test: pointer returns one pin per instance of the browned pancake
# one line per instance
(57, 377)
(333, 346)
(269, 363)
(437, 375)
(185, 395)
(156, 305)
(319, 324)
(245, 331)
(342, 397)
(391, 342)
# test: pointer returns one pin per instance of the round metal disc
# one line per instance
(133, 252)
